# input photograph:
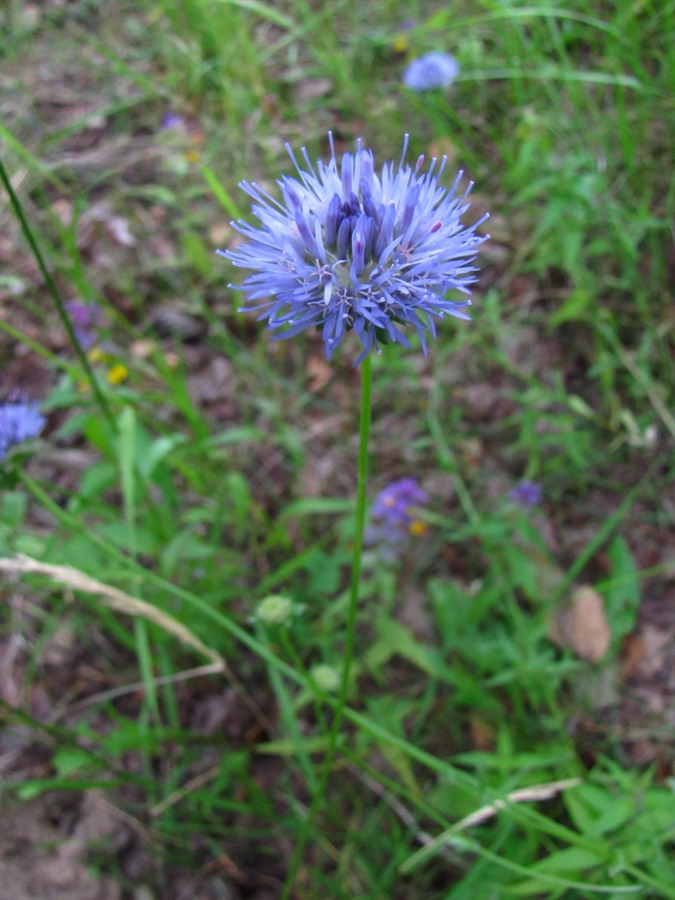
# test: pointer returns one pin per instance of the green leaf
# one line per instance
(569, 861)
(324, 573)
(155, 453)
(617, 813)
(533, 571)
(288, 746)
(573, 309)
(13, 508)
(622, 591)
(220, 193)
(96, 479)
(196, 253)
(70, 759)
(394, 639)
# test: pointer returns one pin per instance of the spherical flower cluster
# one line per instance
(347, 248)
(433, 70)
(394, 516)
(19, 420)
(326, 677)
(526, 494)
(275, 610)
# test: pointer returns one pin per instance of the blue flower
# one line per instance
(19, 420)
(394, 516)
(526, 494)
(172, 121)
(349, 249)
(434, 70)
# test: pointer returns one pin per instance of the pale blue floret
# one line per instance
(19, 421)
(434, 70)
(347, 249)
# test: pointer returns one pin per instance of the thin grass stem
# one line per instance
(53, 290)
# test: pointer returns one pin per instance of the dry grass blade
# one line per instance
(112, 597)
(524, 795)
(122, 690)
(436, 844)
(532, 793)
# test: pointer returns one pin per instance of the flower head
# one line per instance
(395, 515)
(349, 249)
(275, 610)
(85, 318)
(171, 121)
(401, 41)
(526, 494)
(326, 677)
(117, 373)
(433, 70)
(20, 420)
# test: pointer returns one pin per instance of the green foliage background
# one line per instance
(202, 507)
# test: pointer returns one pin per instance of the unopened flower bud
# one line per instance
(326, 678)
(274, 610)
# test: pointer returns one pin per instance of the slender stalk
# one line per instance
(350, 625)
(360, 524)
(53, 290)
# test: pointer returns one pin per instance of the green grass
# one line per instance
(227, 471)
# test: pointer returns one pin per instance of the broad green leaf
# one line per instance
(394, 639)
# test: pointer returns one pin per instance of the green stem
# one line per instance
(350, 625)
(360, 525)
(51, 286)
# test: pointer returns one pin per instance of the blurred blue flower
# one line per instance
(394, 516)
(526, 494)
(434, 70)
(348, 249)
(85, 317)
(172, 120)
(20, 420)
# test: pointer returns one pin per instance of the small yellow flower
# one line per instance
(400, 44)
(116, 374)
(417, 528)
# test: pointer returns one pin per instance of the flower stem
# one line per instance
(53, 290)
(350, 625)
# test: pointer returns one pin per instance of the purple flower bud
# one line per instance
(85, 318)
(333, 221)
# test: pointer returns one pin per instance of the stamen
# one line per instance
(406, 138)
